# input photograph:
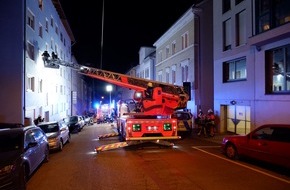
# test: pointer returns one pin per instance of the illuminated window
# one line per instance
(278, 70)
(234, 70)
(271, 14)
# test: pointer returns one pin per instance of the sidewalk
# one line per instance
(217, 138)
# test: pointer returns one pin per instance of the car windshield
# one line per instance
(73, 119)
(50, 128)
(10, 142)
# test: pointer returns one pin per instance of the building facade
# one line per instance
(251, 63)
(29, 29)
(184, 55)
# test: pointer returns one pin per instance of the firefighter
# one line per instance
(210, 122)
(149, 90)
(201, 123)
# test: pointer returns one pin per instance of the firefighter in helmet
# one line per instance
(149, 90)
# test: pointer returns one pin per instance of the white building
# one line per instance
(251, 63)
(28, 28)
(184, 55)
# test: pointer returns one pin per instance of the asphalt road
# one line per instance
(193, 163)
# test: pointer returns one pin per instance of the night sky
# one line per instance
(128, 25)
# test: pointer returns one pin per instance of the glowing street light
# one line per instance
(109, 89)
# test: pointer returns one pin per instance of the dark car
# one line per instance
(57, 133)
(22, 151)
(75, 123)
(269, 143)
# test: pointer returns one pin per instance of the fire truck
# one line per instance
(152, 120)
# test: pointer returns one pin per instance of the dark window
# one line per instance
(271, 14)
(226, 5)
(238, 1)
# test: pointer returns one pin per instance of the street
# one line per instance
(193, 163)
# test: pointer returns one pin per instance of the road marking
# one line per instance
(245, 166)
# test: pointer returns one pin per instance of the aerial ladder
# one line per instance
(152, 122)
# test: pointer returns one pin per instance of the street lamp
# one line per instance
(109, 89)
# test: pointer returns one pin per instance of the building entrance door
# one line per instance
(238, 119)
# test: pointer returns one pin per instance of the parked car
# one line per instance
(22, 151)
(75, 123)
(57, 133)
(269, 143)
(88, 120)
(184, 122)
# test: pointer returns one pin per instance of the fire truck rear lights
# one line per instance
(152, 128)
(136, 127)
(167, 126)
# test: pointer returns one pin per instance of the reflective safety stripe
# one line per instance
(111, 146)
(108, 135)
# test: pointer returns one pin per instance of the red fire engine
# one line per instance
(152, 120)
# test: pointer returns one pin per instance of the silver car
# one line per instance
(57, 133)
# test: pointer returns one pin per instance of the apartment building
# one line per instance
(28, 29)
(251, 63)
(184, 55)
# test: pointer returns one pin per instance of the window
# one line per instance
(167, 51)
(173, 71)
(226, 5)
(241, 28)
(147, 73)
(184, 73)
(239, 1)
(184, 40)
(40, 86)
(40, 4)
(46, 25)
(30, 51)
(271, 14)
(167, 75)
(227, 35)
(234, 70)
(31, 84)
(160, 56)
(56, 30)
(159, 76)
(40, 33)
(51, 22)
(30, 20)
(173, 47)
(278, 70)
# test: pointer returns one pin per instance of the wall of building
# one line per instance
(12, 61)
